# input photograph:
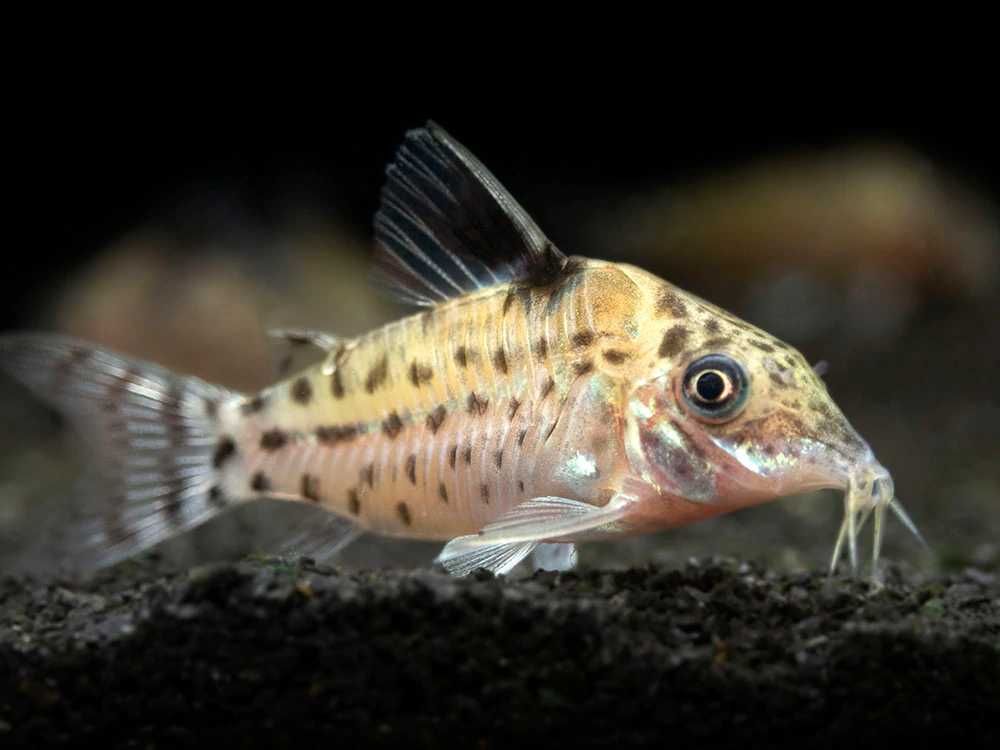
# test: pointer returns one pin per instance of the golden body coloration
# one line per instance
(538, 401)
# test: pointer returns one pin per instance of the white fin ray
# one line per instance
(446, 226)
(499, 559)
(320, 533)
(508, 540)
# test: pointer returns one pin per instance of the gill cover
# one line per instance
(662, 450)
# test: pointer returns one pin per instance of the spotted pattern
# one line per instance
(377, 375)
(436, 418)
(674, 341)
(392, 426)
(225, 449)
(302, 391)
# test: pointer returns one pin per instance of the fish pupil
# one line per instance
(710, 386)
(715, 388)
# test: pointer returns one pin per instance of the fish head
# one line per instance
(724, 416)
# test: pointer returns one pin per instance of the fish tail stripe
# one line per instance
(156, 451)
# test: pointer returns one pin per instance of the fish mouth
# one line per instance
(870, 491)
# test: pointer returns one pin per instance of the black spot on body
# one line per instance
(436, 418)
(225, 448)
(443, 492)
(582, 339)
(541, 349)
(337, 384)
(377, 375)
(467, 455)
(260, 482)
(253, 405)
(514, 406)
(712, 326)
(614, 356)
(420, 374)
(498, 459)
(583, 367)
(334, 434)
(520, 437)
(500, 360)
(353, 502)
(668, 301)
(302, 391)
(310, 487)
(392, 425)
(462, 356)
(452, 455)
(762, 345)
(777, 380)
(274, 439)
(411, 468)
(674, 341)
(477, 404)
(484, 493)
(403, 511)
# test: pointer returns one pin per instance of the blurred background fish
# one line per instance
(848, 243)
(878, 251)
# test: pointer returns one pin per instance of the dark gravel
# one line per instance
(719, 653)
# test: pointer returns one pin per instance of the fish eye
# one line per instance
(715, 387)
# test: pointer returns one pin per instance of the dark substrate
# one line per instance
(272, 653)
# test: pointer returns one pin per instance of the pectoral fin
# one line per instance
(504, 543)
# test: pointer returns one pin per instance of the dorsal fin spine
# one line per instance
(447, 227)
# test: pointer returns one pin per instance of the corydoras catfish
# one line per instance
(538, 400)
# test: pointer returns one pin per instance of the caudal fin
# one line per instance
(151, 441)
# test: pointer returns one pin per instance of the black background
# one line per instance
(87, 163)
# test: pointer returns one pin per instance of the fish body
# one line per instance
(537, 400)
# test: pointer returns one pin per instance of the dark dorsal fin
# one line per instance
(446, 226)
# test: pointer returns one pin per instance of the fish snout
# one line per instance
(870, 485)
